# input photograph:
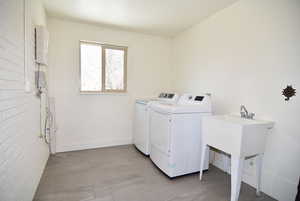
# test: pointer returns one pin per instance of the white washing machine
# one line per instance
(141, 138)
(175, 131)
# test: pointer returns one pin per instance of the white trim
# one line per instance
(27, 45)
(92, 145)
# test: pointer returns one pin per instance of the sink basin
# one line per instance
(235, 119)
(235, 135)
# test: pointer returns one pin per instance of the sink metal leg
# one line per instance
(259, 159)
(236, 176)
(204, 152)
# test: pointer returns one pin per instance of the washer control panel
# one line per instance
(189, 99)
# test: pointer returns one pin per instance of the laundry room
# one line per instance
(149, 100)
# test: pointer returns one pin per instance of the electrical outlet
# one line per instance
(249, 167)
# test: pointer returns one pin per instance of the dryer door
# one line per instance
(160, 127)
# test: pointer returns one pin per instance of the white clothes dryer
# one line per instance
(175, 130)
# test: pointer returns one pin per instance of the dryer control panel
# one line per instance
(173, 97)
(166, 95)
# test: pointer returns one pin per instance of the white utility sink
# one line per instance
(236, 119)
(238, 137)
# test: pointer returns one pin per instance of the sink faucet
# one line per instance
(245, 114)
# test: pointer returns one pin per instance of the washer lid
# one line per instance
(179, 109)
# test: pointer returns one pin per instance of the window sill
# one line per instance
(125, 93)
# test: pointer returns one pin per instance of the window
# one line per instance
(102, 67)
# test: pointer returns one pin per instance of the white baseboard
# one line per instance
(92, 145)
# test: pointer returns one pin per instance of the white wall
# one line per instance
(90, 121)
(38, 13)
(246, 54)
(23, 154)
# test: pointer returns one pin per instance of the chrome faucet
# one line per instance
(245, 114)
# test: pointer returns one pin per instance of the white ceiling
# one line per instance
(159, 17)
